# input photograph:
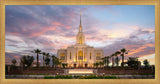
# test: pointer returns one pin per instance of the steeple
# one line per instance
(80, 25)
(80, 38)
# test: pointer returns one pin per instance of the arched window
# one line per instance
(98, 56)
(76, 57)
(80, 55)
(70, 55)
(62, 57)
(90, 55)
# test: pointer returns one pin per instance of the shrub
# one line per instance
(48, 77)
(63, 77)
(110, 77)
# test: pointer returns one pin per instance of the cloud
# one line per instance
(53, 27)
(137, 47)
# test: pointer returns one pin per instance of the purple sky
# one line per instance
(109, 27)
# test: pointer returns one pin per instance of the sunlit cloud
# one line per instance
(50, 28)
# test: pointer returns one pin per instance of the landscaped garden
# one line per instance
(57, 69)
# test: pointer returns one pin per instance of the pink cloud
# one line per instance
(44, 30)
(13, 33)
(140, 49)
(59, 24)
(17, 57)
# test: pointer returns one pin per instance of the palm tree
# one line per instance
(101, 63)
(38, 52)
(14, 61)
(53, 60)
(117, 59)
(57, 62)
(146, 63)
(96, 64)
(104, 60)
(43, 53)
(22, 61)
(123, 51)
(112, 59)
(47, 59)
(29, 60)
(64, 65)
(107, 60)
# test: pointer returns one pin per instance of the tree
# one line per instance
(107, 60)
(96, 64)
(64, 65)
(146, 63)
(123, 51)
(117, 59)
(22, 61)
(13, 66)
(133, 62)
(47, 61)
(14, 62)
(101, 63)
(44, 54)
(104, 60)
(26, 60)
(54, 60)
(57, 62)
(37, 51)
(29, 60)
(112, 56)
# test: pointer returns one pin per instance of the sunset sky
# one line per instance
(108, 27)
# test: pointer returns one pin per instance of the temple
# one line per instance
(80, 54)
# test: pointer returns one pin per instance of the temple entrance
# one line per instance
(74, 65)
(85, 65)
(80, 58)
(80, 65)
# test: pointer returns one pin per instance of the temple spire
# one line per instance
(80, 26)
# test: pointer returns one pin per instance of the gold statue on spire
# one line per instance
(80, 26)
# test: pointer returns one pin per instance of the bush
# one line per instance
(110, 77)
(48, 77)
(63, 77)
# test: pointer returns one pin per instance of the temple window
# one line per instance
(76, 57)
(98, 56)
(62, 57)
(80, 55)
(70, 55)
(90, 55)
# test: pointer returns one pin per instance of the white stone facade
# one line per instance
(80, 54)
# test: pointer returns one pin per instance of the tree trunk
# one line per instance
(112, 61)
(43, 60)
(123, 60)
(117, 61)
(37, 60)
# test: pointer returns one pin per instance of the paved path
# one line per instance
(42, 76)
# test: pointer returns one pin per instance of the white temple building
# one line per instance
(80, 54)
